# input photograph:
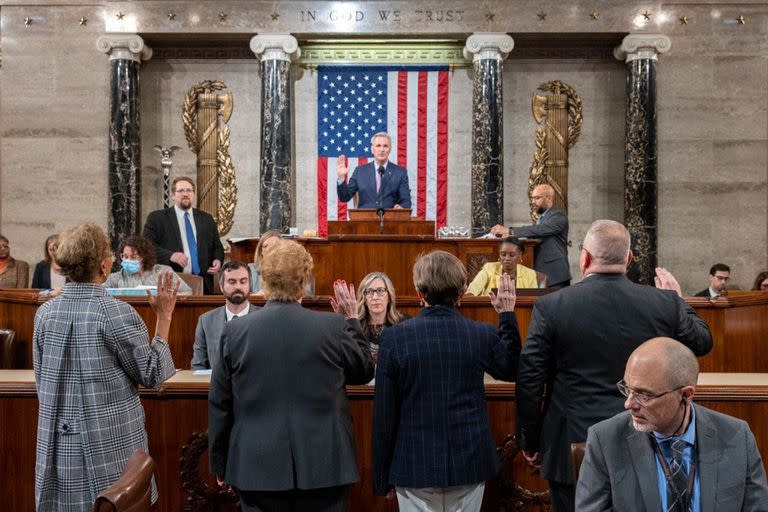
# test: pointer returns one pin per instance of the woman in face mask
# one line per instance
(139, 267)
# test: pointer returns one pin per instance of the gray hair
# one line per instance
(381, 134)
(608, 242)
(682, 367)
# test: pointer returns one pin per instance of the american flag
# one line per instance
(408, 102)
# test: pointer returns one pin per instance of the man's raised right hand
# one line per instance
(342, 168)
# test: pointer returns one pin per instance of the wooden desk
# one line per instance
(179, 408)
(352, 257)
(739, 323)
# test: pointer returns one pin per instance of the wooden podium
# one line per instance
(393, 222)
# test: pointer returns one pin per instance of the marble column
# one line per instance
(640, 51)
(276, 52)
(487, 51)
(126, 51)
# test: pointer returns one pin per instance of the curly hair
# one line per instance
(393, 316)
(81, 251)
(141, 245)
(286, 268)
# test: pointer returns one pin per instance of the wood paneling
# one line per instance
(179, 408)
(739, 323)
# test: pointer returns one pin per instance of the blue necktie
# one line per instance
(192, 243)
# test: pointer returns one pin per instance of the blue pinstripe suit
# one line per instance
(430, 421)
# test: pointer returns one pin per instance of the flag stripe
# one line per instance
(431, 128)
(421, 163)
(441, 213)
(402, 117)
(412, 159)
(322, 195)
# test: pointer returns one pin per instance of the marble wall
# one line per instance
(712, 119)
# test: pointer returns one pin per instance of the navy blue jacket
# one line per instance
(430, 420)
(394, 187)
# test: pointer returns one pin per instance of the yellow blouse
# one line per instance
(488, 278)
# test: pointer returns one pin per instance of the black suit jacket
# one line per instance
(41, 278)
(162, 229)
(551, 255)
(578, 344)
(703, 293)
(394, 187)
(278, 413)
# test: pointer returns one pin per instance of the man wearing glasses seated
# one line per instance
(664, 453)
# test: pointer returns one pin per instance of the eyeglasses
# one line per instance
(130, 257)
(370, 292)
(536, 198)
(185, 190)
(641, 397)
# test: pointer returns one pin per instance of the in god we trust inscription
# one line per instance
(354, 16)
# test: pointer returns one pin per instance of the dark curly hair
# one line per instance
(142, 246)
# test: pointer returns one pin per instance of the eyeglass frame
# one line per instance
(626, 390)
(379, 292)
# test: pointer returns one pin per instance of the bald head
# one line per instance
(607, 243)
(677, 361)
(542, 197)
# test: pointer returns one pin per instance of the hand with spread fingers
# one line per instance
(504, 300)
(164, 302)
(664, 280)
(345, 302)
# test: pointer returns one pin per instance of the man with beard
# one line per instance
(235, 282)
(551, 228)
(664, 453)
(185, 238)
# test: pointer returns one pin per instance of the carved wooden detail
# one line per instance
(513, 496)
(475, 262)
(202, 496)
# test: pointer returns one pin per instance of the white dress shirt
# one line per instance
(231, 315)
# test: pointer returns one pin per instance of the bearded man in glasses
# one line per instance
(664, 453)
(578, 342)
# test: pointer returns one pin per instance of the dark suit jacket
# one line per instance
(278, 414)
(703, 293)
(551, 255)
(162, 229)
(41, 278)
(430, 420)
(394, 187)
(207, 348)
(619, 469)
(578, 344)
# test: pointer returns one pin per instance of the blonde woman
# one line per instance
(376, 307)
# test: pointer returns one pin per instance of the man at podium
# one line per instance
(380, 184)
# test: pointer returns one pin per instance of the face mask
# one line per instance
(131, 266)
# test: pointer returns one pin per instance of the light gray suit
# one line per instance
(207, 348)
(619, 469)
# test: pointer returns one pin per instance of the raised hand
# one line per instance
(345, 302)
(165, 301)
(504, 300)
(664, 280)
(342, 167)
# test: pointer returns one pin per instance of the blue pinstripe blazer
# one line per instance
(430, 421)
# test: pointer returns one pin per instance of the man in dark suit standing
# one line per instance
(235, 283)
(664, 452)
(578, 343)
(381, 184)
(551, 255)
(186, 238)
(279, 426)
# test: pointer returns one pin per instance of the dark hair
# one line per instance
(719, 267)
(4, 238)
(231, 265)
(142, 246)
(762, 276)
(182, 178)
(514, 241)
(47, 257)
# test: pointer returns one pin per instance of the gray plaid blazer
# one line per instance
(90, 353)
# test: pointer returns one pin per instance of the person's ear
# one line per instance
(629, 257)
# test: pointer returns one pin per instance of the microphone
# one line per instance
(380, 213)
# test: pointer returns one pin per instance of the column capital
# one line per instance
(124, 46)
(275, 47)
(488, 45)
(642, 46)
